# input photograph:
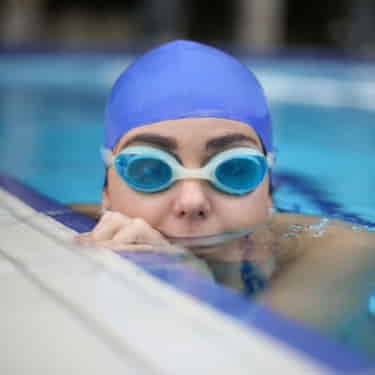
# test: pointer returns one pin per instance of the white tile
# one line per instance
(39, 336)
(120, 306)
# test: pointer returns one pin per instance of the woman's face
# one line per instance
(191, 206)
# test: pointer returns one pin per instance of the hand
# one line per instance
(115, 230)
(119, 232)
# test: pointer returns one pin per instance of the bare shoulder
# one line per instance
(295, 235)
(325, 274)
(324, 230)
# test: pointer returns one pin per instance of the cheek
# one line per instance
(247, 210)
(131, 203)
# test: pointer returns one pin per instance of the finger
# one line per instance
(109, 224)
(83, 238)
(131, 236)
(139, 232)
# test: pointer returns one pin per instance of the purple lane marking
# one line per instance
(308, 188)
(48, 206)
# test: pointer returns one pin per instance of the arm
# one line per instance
(288, 244)
(323, 276)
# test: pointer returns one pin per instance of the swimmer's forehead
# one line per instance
(212, 134)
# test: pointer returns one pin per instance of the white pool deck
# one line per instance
(70, 310)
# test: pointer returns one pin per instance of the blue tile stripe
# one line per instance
(48, 206)
(308, 188)
(315, 345)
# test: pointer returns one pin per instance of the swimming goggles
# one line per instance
(237, 171)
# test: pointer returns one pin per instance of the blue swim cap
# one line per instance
(183, 79)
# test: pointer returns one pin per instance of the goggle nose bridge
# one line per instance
(182, 173)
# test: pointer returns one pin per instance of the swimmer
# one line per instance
(189, 154)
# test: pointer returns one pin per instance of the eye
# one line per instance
(147, 173)
(238, 173)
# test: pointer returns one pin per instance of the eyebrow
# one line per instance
(170, 143)
(228, 139)
(167, 143)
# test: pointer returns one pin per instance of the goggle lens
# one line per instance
(144, 173)
(240, 174)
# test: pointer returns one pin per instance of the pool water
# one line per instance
(51, 112)
(51, 115)
(51, 141)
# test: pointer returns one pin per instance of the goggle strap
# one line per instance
(270, 159)
(107, 156)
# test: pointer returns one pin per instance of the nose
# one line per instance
(192, 200)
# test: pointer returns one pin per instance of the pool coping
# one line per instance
(320, 348)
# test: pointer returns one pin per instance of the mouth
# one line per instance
(208, 240)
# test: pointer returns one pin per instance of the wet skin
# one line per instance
(190, 206)
(316, 274)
